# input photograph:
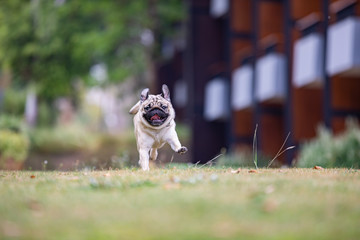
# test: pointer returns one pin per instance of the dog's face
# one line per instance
(156, 110)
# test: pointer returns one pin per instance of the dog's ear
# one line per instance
(144, 94)
(135, 108)
(166, 92)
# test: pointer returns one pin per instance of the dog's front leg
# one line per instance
(144, 158)
(175, 144)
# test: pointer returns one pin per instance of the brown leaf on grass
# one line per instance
(253, 171)
(174, 179)
(32, 176)
(34, 205)
(236, 171)
(318, 168)
(270, 205)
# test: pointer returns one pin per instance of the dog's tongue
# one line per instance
(155, 117)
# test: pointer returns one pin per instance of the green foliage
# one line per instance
(56, 44)
(14, 102)
(62, 139)
(13, 107)
(13, 146)
(14, 142)
(328, 150)
(46, 116)
(12, 123)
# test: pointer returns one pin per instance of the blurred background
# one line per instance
(71, 70)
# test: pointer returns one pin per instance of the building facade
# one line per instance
(285, 66)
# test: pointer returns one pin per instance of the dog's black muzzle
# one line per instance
(156, 116)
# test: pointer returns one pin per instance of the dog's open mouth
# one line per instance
(156, 116)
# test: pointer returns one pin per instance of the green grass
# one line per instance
(177, 203)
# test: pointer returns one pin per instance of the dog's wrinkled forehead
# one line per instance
(155, 101)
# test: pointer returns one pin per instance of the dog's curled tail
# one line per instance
(135, 108)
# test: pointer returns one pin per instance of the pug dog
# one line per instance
(154, 126)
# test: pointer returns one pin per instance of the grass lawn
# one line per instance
(175, 203)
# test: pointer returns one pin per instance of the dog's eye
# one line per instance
(147, 107)
(164, 107)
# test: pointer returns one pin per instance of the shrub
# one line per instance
(328, 150)
(14, 142)
(62, 139)
(14, 102)
(11, 123)
(45, 116)
(13, 146)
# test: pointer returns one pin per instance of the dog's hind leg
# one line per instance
(153, 154)
(144, 159)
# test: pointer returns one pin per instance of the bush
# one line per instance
(74, 147)
(62, 139)
(8, 122)
(14, 102)
(45, 115)
(14, 142)
(13, 146)
(330, 151)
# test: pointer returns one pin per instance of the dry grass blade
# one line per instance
(172, 158)
(197, 163)
(211, 161)
(255, 148)
(281, 151)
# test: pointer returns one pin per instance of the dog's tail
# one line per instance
(135, 108)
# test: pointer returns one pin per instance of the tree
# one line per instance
(52, 44)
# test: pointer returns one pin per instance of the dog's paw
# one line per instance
(182, 150)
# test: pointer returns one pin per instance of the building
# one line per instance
(284, 65)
